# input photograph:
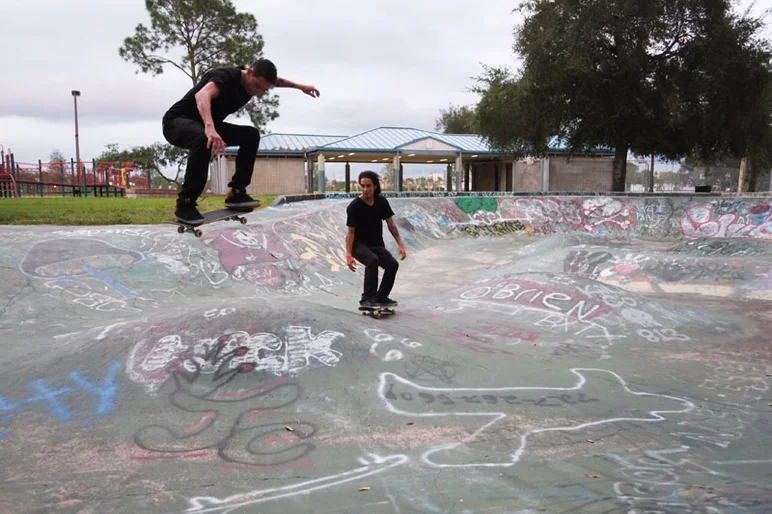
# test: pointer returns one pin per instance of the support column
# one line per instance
(545, 174)
(397, 185)
(321, 178)
(448, 178)
(309, 175)
(459, 167)
(348, 178)
(651, 175)
(497, 177)
(401, 175)
(741, 177)
(468, 177)
(514, 163)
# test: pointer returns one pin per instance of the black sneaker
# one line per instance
(370, 304)
(387, 302)
(186, 212)
(239, 199)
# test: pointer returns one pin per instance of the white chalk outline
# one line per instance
(375, 464)
(497, 416)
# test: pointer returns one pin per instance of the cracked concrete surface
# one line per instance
(549, 354)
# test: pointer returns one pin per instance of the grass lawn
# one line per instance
(100, 211)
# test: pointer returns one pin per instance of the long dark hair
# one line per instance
(374, 177)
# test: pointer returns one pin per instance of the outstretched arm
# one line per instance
(309, 90)
(394, 232)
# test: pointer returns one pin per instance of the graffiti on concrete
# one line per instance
(317, 238)
(95, 397)
(254, 255)
(728, 219)
(91, 273)
(496, 229)
(300, 349)
(632, 267)
(592, 215)
(485, 408)
(369, 465)
(540, 296)
(243, 426)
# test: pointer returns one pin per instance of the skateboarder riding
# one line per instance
(195, 123)
(364, 241)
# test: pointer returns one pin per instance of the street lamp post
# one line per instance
(75, 95)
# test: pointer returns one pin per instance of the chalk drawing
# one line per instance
(300, 349)
(379, 336)
(391, 401)
(654, 483)
(567, 322)
(372, 464)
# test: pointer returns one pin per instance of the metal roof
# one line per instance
(381, 139)
(289, 143)
(389, 139)
(468, 142)
(295, 142)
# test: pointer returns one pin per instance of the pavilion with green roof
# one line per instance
(470, 163)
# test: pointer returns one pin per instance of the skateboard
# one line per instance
(212, 216)
(377, 312)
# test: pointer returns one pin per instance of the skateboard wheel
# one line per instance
(198, 233)
(180, 230)
(243, 221)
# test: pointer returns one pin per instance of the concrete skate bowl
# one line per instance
(549, 354)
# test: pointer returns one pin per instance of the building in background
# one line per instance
(296, 163)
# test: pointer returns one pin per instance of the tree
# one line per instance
(604, 74)
(387, 176)
(56, 156)
(633, 175)
(56, 161)
(154, 158)
(457, 120)
(731, 108)
(203, 34)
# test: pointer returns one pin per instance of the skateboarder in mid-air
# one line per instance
(364, 241)
(195, 123)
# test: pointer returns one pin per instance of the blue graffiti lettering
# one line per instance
(106, 393)
(45, 395)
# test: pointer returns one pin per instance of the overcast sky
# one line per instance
(376, 63)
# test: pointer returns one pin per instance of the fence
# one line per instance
(71, 178)
(723, 177)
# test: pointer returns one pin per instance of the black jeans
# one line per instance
(372, 257)
(189, 134)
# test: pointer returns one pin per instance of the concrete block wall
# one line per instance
(528, 176)
(580, 173)
(274, 175)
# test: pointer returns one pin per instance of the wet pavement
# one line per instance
(549, 354)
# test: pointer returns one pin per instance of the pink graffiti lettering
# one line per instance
(701, 222)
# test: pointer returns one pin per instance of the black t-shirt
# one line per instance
(368, 220)
(232, 96)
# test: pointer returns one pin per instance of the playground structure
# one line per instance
(73, 178)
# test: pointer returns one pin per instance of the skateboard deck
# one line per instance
(377, 312)
(210, 217)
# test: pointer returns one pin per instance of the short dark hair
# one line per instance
(266, 69)
(372, 176)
